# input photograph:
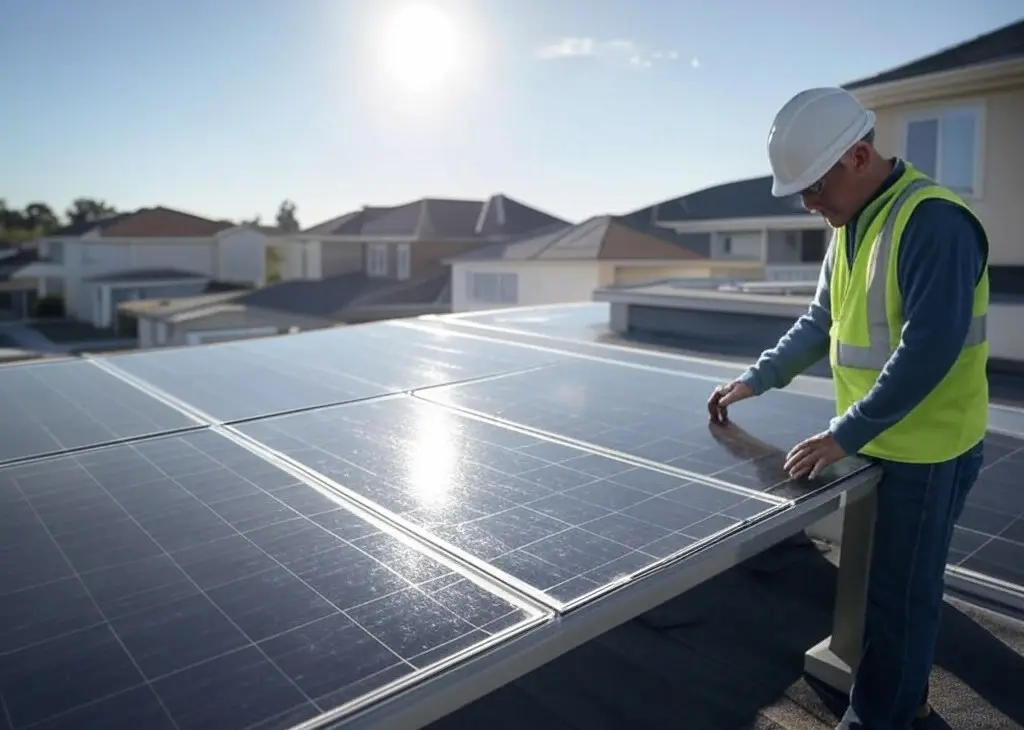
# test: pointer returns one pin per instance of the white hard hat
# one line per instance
(810, 133)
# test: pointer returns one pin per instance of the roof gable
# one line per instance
(1001, 44)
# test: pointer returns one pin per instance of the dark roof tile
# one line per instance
(750, 198)
(438, 218)
(603, 237)
(158, 222)
(1000, 45)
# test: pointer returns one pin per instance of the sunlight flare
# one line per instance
(420, 47)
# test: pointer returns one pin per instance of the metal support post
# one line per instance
(834, 660)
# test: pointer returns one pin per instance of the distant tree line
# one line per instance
(22, 225)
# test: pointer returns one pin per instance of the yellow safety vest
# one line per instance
(867, 319)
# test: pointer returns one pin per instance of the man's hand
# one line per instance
(809, 458)
(724, 396)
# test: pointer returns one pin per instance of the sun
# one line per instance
(420, 48)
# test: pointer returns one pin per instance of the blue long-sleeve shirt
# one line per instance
(941, 257)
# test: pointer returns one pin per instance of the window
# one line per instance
(377, 260)
(54, 251)
(944, 145)
(403, 261)
(492, 288)
(739, 245)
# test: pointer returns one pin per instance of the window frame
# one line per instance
(377, 253)
(937, 113)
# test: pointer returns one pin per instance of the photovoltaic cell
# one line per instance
(660, 417)
(184, 582)
(562, 520)
(50, 408)
(260, 377)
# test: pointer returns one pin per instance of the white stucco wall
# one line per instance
(241, 256)
(537, 282)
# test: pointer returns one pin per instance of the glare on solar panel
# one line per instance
(561, 520)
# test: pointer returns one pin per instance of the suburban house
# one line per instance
(958, 115)
(742, 222)
(566, 263)
(409, 241)
(150, 253)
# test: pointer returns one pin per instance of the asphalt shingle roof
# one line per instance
(1000, 45)
(323, 299)
(158, 222)
(604, 238)
(430, 218)
(750, 198)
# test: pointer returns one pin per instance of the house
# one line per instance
(408, 241)
(287, 306)
(741, 221)
(565, 263)
(957, 115)
(149, 253)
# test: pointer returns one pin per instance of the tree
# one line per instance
(286, 220)
(86, 210)
(22, 226)
(40, 216)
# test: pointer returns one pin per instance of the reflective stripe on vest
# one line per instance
(880, 349)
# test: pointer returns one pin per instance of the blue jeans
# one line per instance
(918, 506)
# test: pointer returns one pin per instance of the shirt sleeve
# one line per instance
(942, 254)
(804, 344)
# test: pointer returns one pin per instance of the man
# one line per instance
(900, 311)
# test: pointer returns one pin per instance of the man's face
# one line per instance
(838, 195)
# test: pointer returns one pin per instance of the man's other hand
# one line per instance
(808, 459)
(724, 396)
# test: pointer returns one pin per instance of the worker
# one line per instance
(900, 312)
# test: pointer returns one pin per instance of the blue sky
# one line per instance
(226, 107)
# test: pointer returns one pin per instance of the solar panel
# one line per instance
(989, 538)
(659, 417)
(562, 520)
(55, 407)
(555, 342)
(265, 376)
(184, 582)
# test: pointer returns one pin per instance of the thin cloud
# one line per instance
(694, 62)
(617, 49)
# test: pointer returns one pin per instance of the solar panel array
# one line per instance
(252, 534)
